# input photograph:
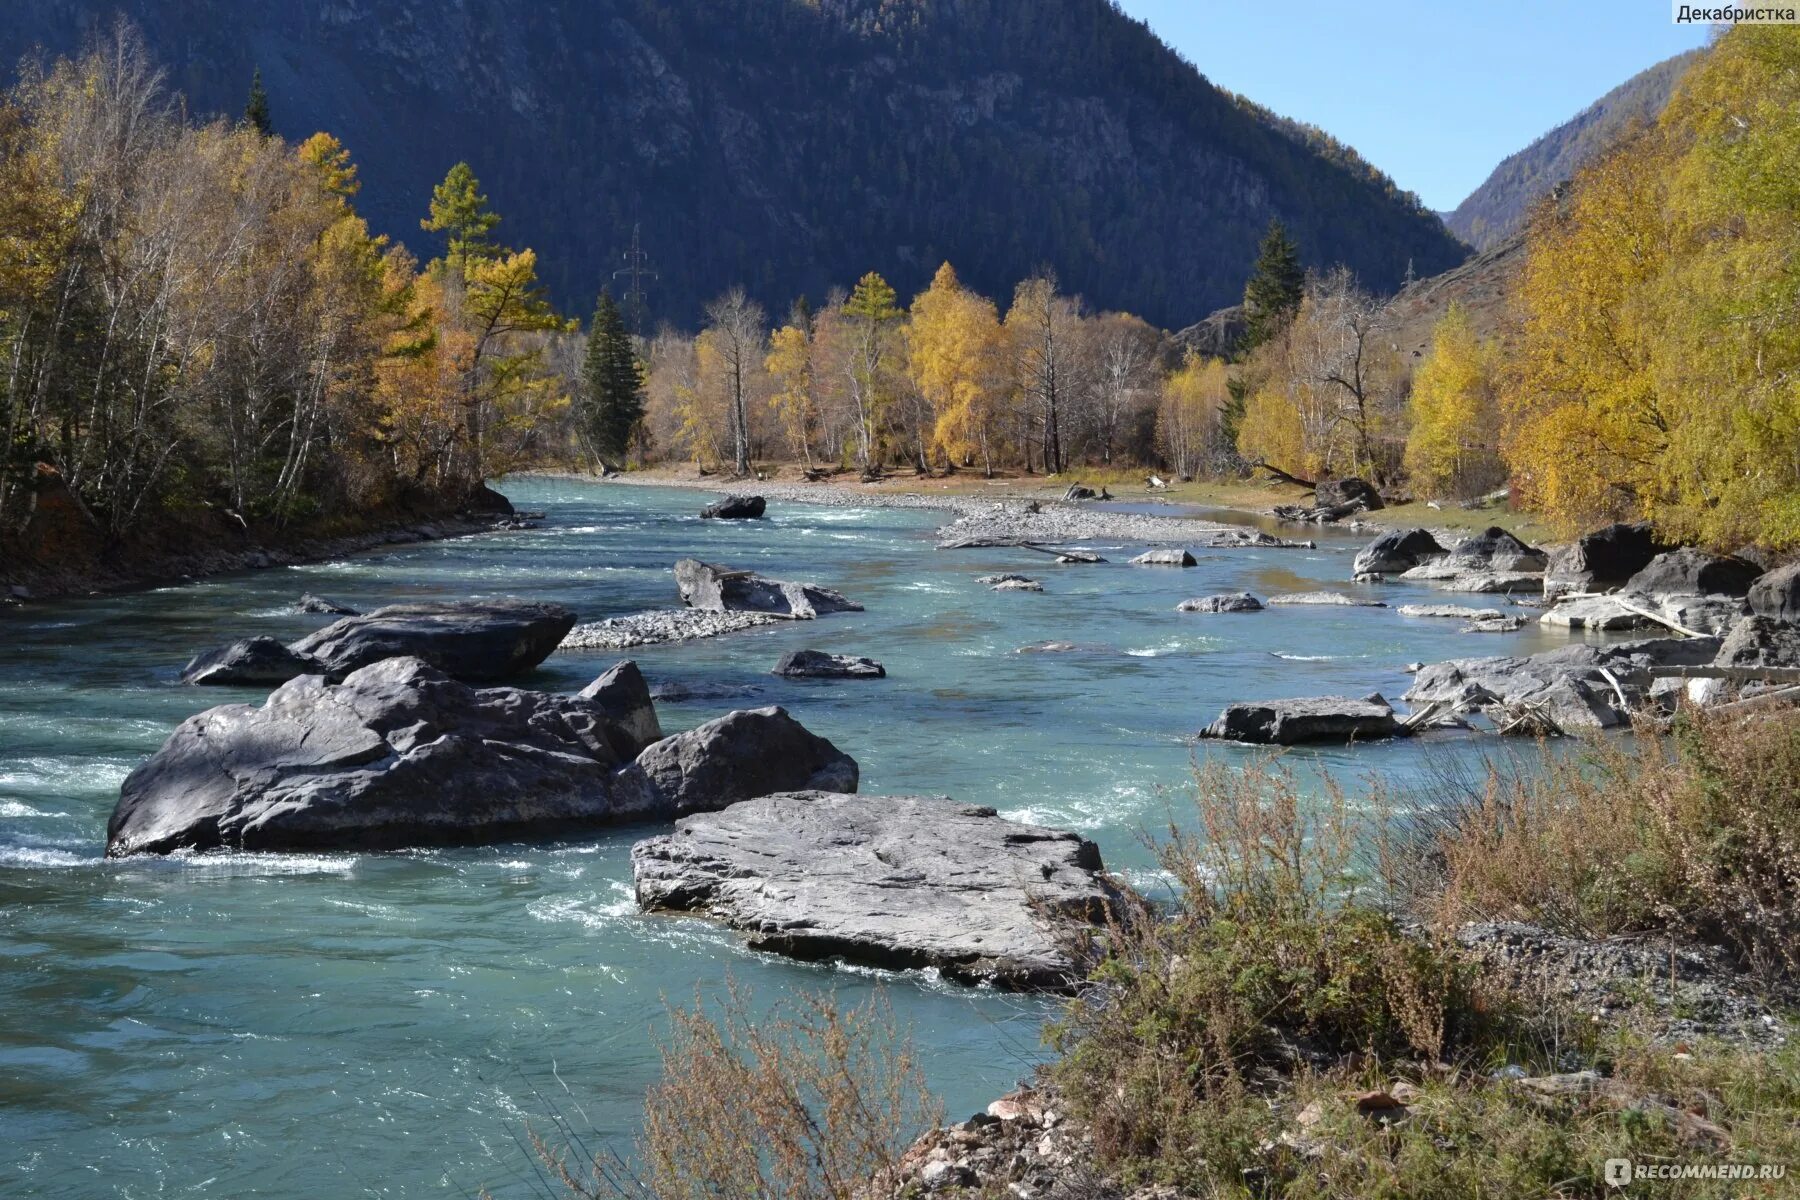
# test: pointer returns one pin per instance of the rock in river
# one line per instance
(1693, 572)
(894, 881)
(816, 664)
(1165, 558)
(309, 603)
(1396, 551)
(1230, 602)
(1329, 598)
(735, 508)
(400, 754)
(474, 642)
(257, 660)
(721, 589)
(1309, 719)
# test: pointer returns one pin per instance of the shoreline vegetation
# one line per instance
(1563, 961)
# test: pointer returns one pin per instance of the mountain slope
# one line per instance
(1497, 209)
(794, 144)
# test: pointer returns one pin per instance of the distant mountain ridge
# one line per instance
(1498, 208)
(792, 145)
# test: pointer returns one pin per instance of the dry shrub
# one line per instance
(808, 1101)
(1697, 835)
(1264, 963)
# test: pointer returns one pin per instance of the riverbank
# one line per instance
(201, 551)
(968, 491)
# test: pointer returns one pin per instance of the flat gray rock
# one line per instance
(717, 589)
(1307, 719)
(400, 754)
(816, 664)
(1593, 612)
(1461, 612)
(659, 627)
(1328, 598)
(1570, 685)
(473, 642)
(1230, 602)
(1165, 558)
(900, 882)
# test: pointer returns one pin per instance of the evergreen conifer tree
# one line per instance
(614, 384)
(1277, 283)
(256, 108)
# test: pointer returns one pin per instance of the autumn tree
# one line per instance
(1042, 324)
(1451, 446)
(735, 327)
(1187, 417)
(956, 359)
(792, 364)
(612, 384)
(1122, 380)
(459, 211)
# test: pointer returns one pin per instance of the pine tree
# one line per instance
(1277, 283)
(256, 108)
(614, 384)
(460, 210)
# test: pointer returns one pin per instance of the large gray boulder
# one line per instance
(622, 696)
(735, 508)
(894, 881)
(1336, 493)
(400, 754)
(1777, 594)
(1172, 557)
(1604, 558)
(1689, 571)
(1308, 719)
(1396, 551)
(477, 642)
(720, 589)
(1759, 641)
(747, 753)
(1492, 552)
(1575, 687)
(258, 660)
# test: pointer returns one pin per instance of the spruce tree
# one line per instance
(1277, 283)
(256, 108)
(613, 381)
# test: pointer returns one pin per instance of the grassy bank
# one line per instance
(1306, 1014)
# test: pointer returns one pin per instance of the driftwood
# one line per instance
(1629, 607)
(1278, 473)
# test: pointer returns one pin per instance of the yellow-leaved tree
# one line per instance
(1187, 418)
(1452, 447)
(956, 356)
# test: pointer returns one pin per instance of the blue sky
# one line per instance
(1433, 93)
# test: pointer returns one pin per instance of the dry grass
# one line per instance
(808, 1101)
(1697, 835)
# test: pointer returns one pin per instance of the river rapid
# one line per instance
(339, 1025)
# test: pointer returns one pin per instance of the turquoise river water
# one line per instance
(342, 1025)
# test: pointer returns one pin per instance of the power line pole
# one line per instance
(637, 267)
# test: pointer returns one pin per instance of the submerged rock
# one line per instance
(1456, 611)
(1308, 719)
(893, 881)
(309, 603)
(1018, 585)
(1397, 551)
(1227, 603)
(400, 754)
(258, 660)
(474, 642)
(816, 664)
(1165, 558)
(720, 589)
(735, 508)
